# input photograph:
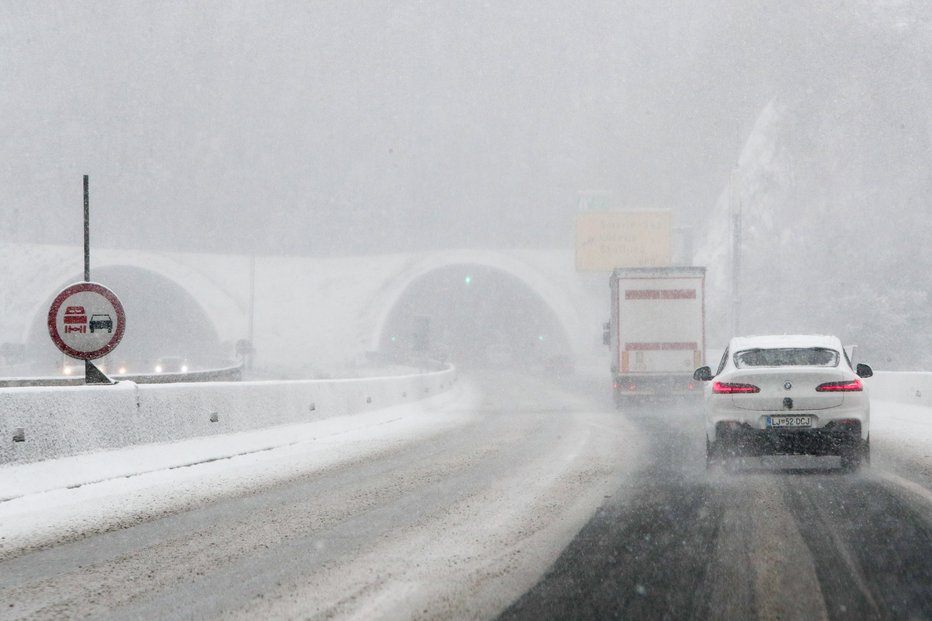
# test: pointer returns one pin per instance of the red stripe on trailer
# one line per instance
(660, 294)
(661, 346)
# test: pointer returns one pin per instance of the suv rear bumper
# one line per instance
(833, 439)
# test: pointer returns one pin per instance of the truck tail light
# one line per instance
(847, 386)
(729, 388)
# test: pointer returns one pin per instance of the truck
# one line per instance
(656, 332)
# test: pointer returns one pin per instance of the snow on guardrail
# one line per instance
(51, 422)
(223, 374)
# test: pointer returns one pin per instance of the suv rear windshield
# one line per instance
(787, 357)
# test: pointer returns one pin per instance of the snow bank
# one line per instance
(56, 500)
(53, 422)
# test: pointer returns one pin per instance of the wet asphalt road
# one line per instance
(773, 538)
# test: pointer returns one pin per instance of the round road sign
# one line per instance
(86, 321)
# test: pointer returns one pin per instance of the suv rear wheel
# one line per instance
(714, 453)
(856, 455)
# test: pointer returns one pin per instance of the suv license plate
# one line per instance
(789, 421)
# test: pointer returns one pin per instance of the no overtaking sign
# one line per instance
(86, 321)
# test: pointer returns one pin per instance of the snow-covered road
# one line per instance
(456, 507)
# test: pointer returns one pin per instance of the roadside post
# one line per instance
(86, 320)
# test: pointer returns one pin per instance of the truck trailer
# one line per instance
(656, 332)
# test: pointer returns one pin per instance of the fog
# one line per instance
(358, 192)
(347, 128)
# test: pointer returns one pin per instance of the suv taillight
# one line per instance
(728, 388)
(849, 386)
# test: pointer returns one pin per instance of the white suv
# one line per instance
(787, 395)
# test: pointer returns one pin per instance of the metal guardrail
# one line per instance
(226, 374)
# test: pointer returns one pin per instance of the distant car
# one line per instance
(171, 364)
(72, 367)
(101, 322)
(794, 395)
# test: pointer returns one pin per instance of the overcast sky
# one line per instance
(333, 128)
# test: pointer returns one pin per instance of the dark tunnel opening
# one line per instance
(476, 316)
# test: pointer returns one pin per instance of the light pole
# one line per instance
(736, 229)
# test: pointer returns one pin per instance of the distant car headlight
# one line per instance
(158, 368)
(184, 368)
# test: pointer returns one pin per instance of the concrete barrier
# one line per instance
(51, 422)
(914, 388)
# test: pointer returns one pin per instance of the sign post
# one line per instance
(86, 320)
(87, 230)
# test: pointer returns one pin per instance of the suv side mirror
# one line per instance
(702, 374)
(864, 371)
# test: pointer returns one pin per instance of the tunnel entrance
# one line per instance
(163, 322)
(475, 316)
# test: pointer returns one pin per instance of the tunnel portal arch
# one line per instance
(480, 309)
